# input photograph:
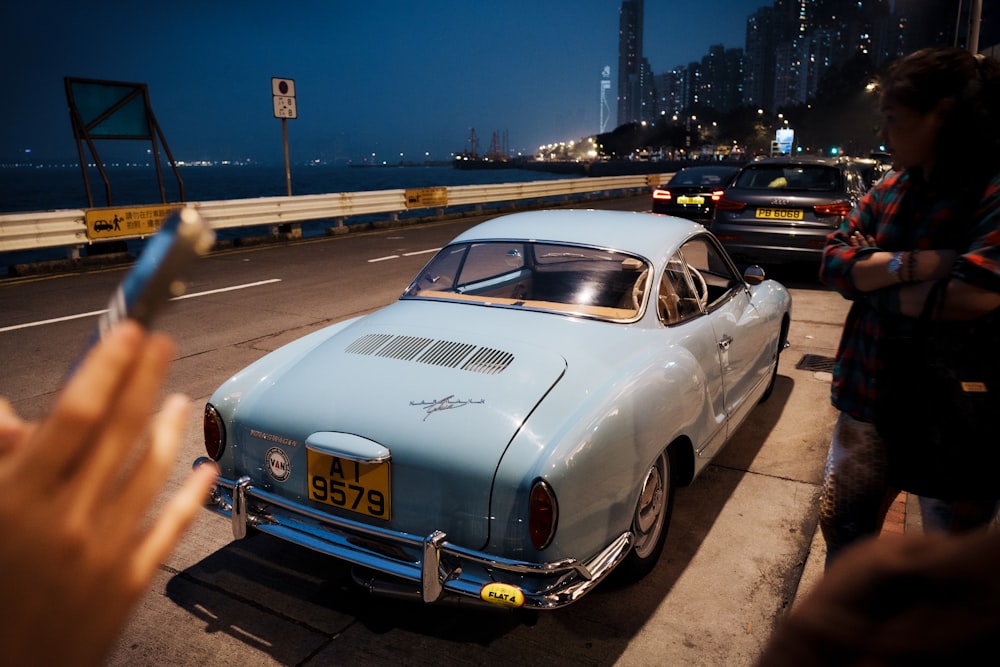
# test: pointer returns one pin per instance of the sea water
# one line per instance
(46, 188)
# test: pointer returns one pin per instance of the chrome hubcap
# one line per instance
(649, 512)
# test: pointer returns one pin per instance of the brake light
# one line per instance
(663, 195)
(724, 204)
(839, 208)
(215, 432)
(543, 512)
(717, 195)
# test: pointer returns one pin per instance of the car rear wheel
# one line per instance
(782, 337)
(651, 518)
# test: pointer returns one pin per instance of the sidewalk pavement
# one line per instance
(903, 517)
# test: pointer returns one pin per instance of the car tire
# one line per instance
(782, 337)
(651, 519)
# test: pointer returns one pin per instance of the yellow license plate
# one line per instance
(350, 485)
(779, 214)
(691, 200)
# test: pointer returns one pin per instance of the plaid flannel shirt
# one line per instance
(930, 221)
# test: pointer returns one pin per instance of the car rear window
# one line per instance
(808, 178)
(594, 282)
(699, 178)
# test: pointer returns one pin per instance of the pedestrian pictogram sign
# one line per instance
(107, 223)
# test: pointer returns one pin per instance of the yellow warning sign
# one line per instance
(111, 223)
(423, 197)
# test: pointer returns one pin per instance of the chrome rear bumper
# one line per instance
(429, 567)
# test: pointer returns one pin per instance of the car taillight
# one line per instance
(543, 512)
(839, 208)
(662, 195)
(215, 432)
(717, 195)
(724, 204)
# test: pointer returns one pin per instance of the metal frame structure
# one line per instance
(110, 110)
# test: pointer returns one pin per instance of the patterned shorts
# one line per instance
(855, 493)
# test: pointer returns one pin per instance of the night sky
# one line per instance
(388, 77)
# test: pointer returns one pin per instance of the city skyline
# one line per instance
(389, 78)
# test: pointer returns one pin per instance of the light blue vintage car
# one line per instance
(512, 429)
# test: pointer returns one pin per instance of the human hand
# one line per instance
(78, 546)
(859, 240)
(898, 600)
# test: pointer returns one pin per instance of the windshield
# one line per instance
(579, 280)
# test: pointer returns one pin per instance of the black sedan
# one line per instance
(780, 210)
(692, 192)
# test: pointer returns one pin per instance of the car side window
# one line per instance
(441, 273)
(488, 261)
(676, 298)
(713, 277)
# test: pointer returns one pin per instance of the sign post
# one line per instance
(283, 91)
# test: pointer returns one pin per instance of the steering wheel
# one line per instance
(700, 286)
(638, 289)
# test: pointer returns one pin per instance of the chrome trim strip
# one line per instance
(430, 572)
(436, 568)
(240, 507)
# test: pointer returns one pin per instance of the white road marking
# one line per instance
(227, 289)
(405, 254)
(95, 313)
(420, 252)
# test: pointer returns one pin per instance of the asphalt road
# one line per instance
(740, 538)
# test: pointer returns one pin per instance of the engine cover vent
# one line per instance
(450, 354)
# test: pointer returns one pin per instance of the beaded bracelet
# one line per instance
(911, 265)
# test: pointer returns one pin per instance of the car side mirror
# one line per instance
(754, 275)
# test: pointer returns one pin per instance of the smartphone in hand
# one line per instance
(156, 277)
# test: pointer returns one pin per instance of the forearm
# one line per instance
(962, 301)
(873, 271)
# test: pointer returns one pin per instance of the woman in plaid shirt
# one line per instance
(936, 215)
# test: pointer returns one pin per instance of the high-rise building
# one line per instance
(720, 83)
(605, 107)
(765, 29)
(791, 47)
(630, 62)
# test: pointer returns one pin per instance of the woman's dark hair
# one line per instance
(970, 135)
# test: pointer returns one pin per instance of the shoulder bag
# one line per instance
(938, 405)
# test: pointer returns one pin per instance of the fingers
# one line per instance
(13, 429)
(84, 404)
(177, 515)
(103, 409)
(121, 441)
(152, 470)
(861, 240)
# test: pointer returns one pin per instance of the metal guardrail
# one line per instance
(68, 227)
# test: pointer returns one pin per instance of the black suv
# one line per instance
(780, 210)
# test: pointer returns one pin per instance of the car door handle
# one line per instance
(725, 342)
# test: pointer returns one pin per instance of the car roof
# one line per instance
(801, 159)
(637, 232)
(711, 167)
